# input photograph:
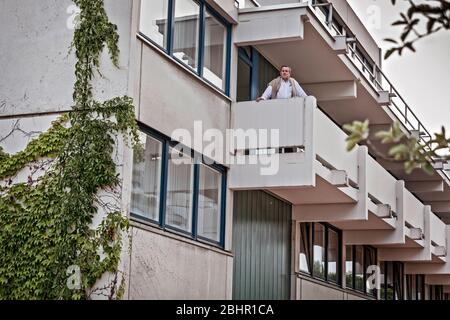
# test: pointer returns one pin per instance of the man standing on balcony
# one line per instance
(283, 87)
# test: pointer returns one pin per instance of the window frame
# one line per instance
(326, 227)
(198, 159)
(203, 8)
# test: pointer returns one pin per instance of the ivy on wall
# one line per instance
(46, 223)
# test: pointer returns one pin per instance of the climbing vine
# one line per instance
(47, 222)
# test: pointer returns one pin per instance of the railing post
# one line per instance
(330, 15)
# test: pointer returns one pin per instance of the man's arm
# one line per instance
(266, 95)
(300, 90)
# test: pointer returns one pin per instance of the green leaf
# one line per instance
(390, 40)
(389, 53)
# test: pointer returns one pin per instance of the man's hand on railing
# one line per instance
(259, 99)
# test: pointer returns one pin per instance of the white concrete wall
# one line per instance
(438, 230)
(330, 145)
(173, 98)
(263, 25)
(414, 211)
(37, 71)
(381, 184)
(164, 267)
(293, 120)
(308, 289)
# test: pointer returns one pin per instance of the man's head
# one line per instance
(285, 72)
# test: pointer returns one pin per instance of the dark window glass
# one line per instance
(411, 287)
(420, 294)
(332, 256)
(383, 278)
(359, 268)
(349, 266)
(305, 247)
(243, 81)
(389, 281)
(266, 73)
(319, 251)
(398, 280)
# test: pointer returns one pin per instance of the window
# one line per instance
(436, 292)
(179, 191)
(320, 254)
(392, 283)
(243, 81)
(411, 287)
(370, 260)
(185, 34)
(319, 251)
(146, 180)
(333, 255)
(361, 262)
(193, 33)
(359, 268)
(209, 203)
(305, 247)
(420, 287)
(349, 266)
(266, 73)
(254, 74)
(215, 51)
(153, 22)
(398, 280)
(171, 190)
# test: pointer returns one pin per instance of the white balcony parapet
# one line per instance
(292, 120)
(440, 252)
(381, 184)
(413, 211)
(438, 231)
(270, 24)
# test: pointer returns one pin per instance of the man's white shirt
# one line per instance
(285, 91)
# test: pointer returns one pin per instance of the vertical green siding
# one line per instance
(261, 246)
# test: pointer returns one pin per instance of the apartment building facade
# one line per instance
(284, 213)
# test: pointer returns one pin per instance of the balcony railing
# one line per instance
(379, 81)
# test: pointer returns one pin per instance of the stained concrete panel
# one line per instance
(172, 98)
(167, 268)
(37, 69)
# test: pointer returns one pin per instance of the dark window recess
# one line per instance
(415, 287)
(361, 265)
(254, 74)
(392, 284)
(320, 251)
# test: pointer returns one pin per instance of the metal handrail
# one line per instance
(376, 77)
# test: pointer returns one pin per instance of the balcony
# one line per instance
(324, 182)
(332, 64)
